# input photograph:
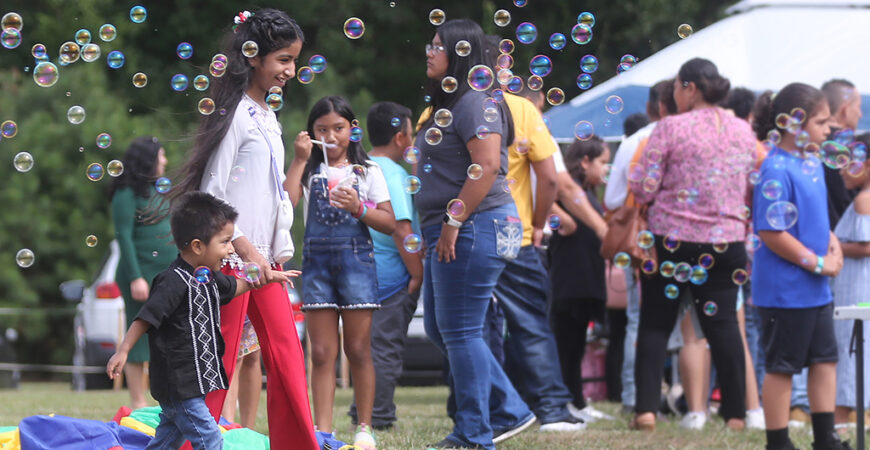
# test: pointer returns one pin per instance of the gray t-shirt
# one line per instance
(443, 168)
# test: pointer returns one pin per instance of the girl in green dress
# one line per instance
(146, 249)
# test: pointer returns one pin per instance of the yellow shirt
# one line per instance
(532, 143)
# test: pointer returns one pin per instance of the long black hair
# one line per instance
(795, 95)
(271, 29)
(356, 154)
(481, 53)
(140, 164)
(590, 149)
(705, 75)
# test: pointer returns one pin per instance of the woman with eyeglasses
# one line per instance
(694, 174)
(469, 222)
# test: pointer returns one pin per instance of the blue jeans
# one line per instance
(753, 337)
(799, 398)
(522, 294)
(186, 420)
(632, 310)
(459, 293)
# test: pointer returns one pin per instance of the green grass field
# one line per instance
(421, 420)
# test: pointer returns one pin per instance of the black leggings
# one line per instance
(569, 319)
(658, 314)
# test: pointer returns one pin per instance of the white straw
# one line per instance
(324, 144)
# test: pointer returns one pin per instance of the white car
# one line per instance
(100, 321)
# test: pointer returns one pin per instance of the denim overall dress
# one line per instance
(338, 261)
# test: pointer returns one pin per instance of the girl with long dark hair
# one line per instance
(146, 248)
(238, 157)
(471, 226)
(345, 193)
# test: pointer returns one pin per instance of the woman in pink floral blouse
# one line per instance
(693, 173)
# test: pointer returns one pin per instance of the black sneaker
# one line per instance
(448, 444)
(503, 435)
(834, 443)
(789, 446)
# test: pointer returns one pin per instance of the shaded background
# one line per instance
(52, 208)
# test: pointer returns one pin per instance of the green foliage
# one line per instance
(52, 208)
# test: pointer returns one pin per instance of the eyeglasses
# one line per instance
(437, 48)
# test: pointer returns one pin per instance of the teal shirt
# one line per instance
(392, 273)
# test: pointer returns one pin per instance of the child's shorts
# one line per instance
(794, 338)
(249, 343)
(339, 274)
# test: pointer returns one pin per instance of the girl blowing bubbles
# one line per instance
(239, 157)
(791, 269)
(345, 194)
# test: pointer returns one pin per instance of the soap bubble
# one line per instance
(437, 17)
(667, 269)
(648, 266)
(38, 51)
(699, 275)
(10, 38)
(108, 32)
(23, 162)
(140, 80)
(91, 241)
(200, 82)
(184, 50)
(710, 308)
(94, 172)
(443, 117)
(514, 84)
(671, 242)
(356, 134)
(179, 82)
(252, 272)
(82, 36)
(206, 105)
(69, 52)
(682, 272)
(202, 275)
(581, 34)
(115, 59)
(584, 130)
(250, 49)
(482, 132)
(614, 104)
(739, 277)
(507, 184)
(427, 168)
(412, 243)
(540, 65)
(163, 185)
(520, 3)
(628, 59)
(90, 52)
(411, 155)
(684, 30)
(771, 189)
(501, 18)
(411, 184)
(584, 81)
(555, 96)
(474, 171)
(274, 101)
(535, 83)
(480, 77)
(8, 129)
(354, 28)
(115, 168)
(104, 140)
(506, 46)
(622, 260)
(317, 63)
(782, 215)
(558, 41)
(589, 63)
(622, 67)
(24, 258)
(554, 222)
(237, 173)
(305, 75)
(462, 48)
(586, 18)
(456, 208)
(706, 260)
(433, 136)
(754, 177)
(672, 291)
(645, 239)
(75, 114)
(449, 84)
(138, 14)
(753, 242)
(527, 32)
(11, 20)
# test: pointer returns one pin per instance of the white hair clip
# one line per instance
(242, 17)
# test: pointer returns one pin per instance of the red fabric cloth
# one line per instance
(123, 411)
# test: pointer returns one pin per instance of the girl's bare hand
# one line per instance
(302, 144)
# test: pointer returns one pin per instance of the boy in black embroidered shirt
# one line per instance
(182, 318)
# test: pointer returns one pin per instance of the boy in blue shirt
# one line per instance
(182, 319)
(397, 261)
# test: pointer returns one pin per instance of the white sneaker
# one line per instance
(570, 424)
(755, 419)
(588, 414)
(693, 420)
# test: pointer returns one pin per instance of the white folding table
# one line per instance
(859, 314)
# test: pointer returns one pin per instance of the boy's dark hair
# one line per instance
(199, 215)
(665, 89)
(794, 95)
(837, 91)
(633, 123)
(590, 148)
(380, 122)
(740, 100)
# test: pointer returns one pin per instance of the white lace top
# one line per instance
(240, 173)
